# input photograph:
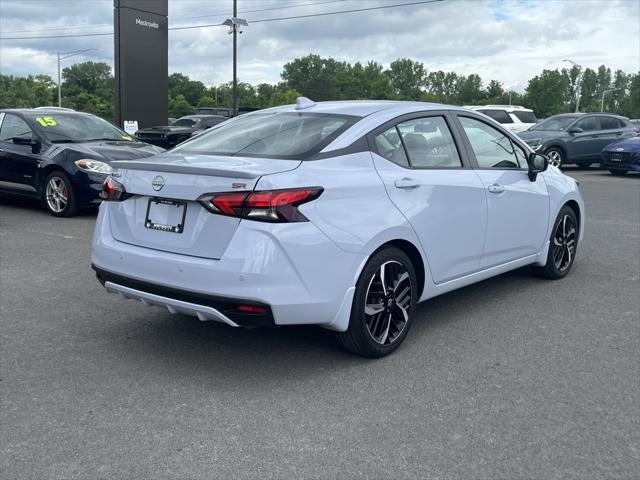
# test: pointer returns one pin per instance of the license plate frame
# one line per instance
(169, 226)
(616, 157)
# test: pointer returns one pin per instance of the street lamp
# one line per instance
(62, 56)
(578, 80)
(602, 100)
(235, 25)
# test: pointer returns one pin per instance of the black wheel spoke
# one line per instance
(564, 243)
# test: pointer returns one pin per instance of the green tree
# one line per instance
(470, 90)
(547, 93)
(315, 77)
(408, 78)
(178, 107)
(494, 90)
(191, 90)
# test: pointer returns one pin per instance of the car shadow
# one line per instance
(216, 351)
(25, 203)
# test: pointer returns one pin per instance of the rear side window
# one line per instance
(525, 117)
(14, 126)
(429, 143)
(610, 123)
(389, 146)
(499, 116)
(284, 135)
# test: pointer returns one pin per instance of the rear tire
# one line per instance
(383, 305)
(58, 197)
(563, 246)
(618, 172)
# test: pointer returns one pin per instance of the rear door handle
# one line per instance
(495, 188)
(406, 183)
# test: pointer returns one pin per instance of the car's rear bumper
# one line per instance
(294, 270)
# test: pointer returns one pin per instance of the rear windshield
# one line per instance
(499, 116)
(285, 135)
(525, 117)
(74, 127)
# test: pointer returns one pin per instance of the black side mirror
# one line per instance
(33, 142)
(575, 130)
(537, 163)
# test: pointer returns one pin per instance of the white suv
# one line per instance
(512, 117)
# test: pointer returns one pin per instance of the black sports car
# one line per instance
(61, 157)
(179, 131)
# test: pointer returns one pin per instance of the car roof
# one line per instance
(40, 110)
(362, 108)
(508, 108)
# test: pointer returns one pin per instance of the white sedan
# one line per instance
(338, 214)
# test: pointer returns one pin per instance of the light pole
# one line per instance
(602, 100)
(235, 24)
(578, 80)
(62, 56)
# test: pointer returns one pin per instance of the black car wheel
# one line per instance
(58, 197)
(563, 246)
(556, 156)
(383, 305)
(617, 172)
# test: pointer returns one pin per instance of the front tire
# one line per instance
(58, 197)
(556, 157)
(383, 305)
(563, 246)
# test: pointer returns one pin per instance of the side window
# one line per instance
(492, 148)
(14, 126)
(389, 146)
(499, 116)
(609, 123)
(588, 124)
(429, 143)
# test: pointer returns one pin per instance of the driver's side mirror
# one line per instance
(575, 130)
(537, 163)
(33, 142)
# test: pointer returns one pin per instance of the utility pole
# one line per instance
(235, 24)
(602, 100)
(62, 56)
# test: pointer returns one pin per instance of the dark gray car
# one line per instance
(577, 137)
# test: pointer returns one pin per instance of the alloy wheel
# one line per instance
(564, 243)
(57, 194)
(387, 302)
(555, 158)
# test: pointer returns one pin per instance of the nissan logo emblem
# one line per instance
(157, 183)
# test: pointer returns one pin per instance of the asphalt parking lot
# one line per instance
(516, 377)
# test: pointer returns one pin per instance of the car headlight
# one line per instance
(535, 143)
(93, 166)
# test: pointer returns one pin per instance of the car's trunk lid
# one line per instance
(143, 221)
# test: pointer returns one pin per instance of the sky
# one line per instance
(507, 40)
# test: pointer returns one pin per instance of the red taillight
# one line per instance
(252, 309)
(113, 191)
(266, 206)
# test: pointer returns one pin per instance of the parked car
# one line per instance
(224, 111)
(182, 129)
(622, 157)
(60, 156)
(340, 214)
(512, 117)
(577, 138)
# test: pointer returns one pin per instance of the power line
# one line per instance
(264, 20)
(211, 14)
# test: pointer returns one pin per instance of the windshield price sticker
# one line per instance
(46, 121)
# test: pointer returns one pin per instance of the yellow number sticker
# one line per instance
(127, 138)
(46, 121)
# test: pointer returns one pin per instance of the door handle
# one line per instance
(406, 183)
(495, 188)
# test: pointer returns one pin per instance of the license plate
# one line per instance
(165, 215)
(616, 157)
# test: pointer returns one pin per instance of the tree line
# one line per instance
(89, 86)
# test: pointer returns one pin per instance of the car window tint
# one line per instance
(525, 117)
(492, 148)
(429, 143)
(389, 146)
(499, 116)
(609, 123)
(587, 124)
(14, 126)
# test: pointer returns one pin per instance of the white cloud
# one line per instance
(507, 40)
